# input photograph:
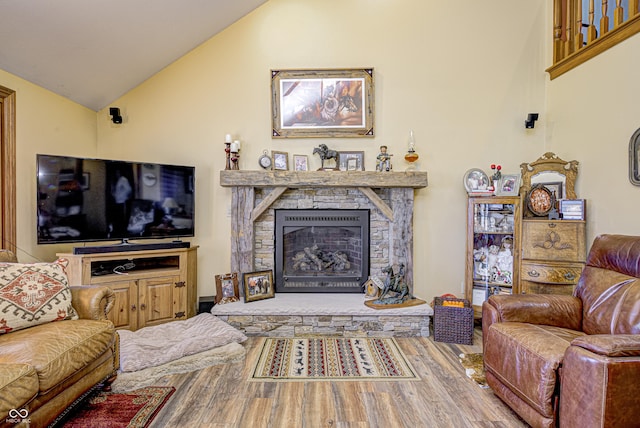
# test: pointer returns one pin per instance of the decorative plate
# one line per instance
(475, 180)
(540, 200)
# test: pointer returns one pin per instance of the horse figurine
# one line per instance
(325, 153)
(395, 283)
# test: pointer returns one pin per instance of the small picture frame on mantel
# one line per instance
(280, 160)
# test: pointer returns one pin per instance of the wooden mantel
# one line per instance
(244, 211)
(411, 179)
(364, 181)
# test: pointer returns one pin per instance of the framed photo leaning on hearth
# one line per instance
(258, 285)
(227, 288)
(322, 103)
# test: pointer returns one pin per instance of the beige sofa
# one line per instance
(44, 369)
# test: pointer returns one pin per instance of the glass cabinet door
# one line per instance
(493, 248)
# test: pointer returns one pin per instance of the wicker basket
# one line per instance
(453, 324)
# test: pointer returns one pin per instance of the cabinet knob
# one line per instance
(133, 308)
(570, 276)
(143, 307)
(533, 273)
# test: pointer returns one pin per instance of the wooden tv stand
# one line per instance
(151, 286)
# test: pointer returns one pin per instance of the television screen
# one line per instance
(82, 200)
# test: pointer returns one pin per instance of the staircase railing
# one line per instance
(578, 38)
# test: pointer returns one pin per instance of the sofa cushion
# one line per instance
(33, 294)
(18, 386)
(58, 350)
(535, 353)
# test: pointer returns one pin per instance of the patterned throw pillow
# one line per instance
(33, 294)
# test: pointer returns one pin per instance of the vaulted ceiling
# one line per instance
(93, 52)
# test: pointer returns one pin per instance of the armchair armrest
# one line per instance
(610, 345)
(546, 309)
(543, 309)
(92, 302)
(599, 381)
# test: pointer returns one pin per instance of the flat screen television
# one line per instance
(86, 200)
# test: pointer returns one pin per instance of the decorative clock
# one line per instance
(265, 160)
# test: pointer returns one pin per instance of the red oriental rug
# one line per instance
(134, 409)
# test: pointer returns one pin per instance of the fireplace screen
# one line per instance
(321, 250)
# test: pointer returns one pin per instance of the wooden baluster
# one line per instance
(567, 43)
(618, 14)
(633, 8)
(557, 31)
(579, 40)
(604, 21)
(592, 33)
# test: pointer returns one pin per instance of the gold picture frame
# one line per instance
(258, 285)
(322, 103)
(227, 288)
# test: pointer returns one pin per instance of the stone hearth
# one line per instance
(303, 314)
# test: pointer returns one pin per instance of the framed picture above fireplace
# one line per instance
(258, 285)
(322, 103)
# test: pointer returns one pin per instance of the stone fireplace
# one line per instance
(256, 199)
(258, 195)
(321, 250)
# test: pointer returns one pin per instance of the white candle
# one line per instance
(235, 147)
(227, 138)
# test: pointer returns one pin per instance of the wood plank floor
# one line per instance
(221, 396)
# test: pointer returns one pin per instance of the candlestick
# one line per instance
(235, 157)
(227, 150)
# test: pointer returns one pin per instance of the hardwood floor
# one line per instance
(221, 396)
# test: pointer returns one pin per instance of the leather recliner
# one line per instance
(572, 361)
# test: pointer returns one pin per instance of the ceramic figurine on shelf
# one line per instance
(384, 160)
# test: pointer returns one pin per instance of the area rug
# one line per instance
(226, 354)
(331, 359)
(135, 409)
(474, 368)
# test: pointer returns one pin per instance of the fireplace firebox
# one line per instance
(321, 250)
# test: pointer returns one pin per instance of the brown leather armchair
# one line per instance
(572, 361)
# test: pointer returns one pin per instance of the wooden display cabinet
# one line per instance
(151, 287)
(493, 248)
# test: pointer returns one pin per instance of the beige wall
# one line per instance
(50, 124)
(441, 69)
(593, 111)
(460, 78)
